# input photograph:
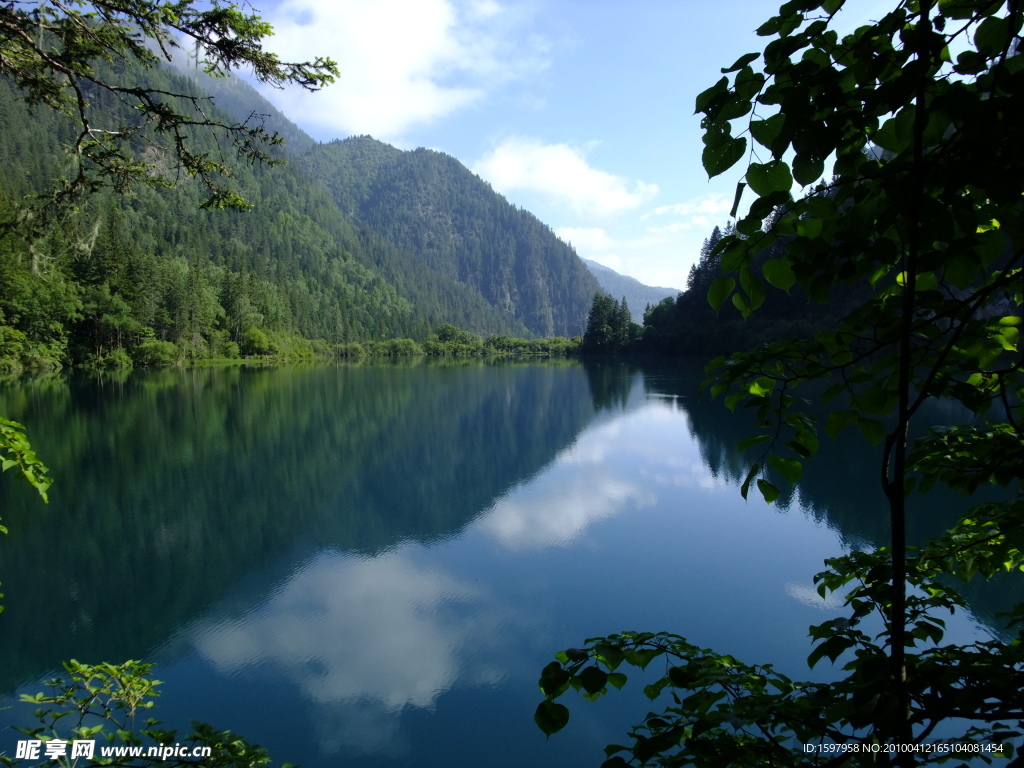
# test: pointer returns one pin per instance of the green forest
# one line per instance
(153, 277)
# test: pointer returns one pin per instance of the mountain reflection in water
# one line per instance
(370, 565)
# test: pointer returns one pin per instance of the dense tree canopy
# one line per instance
(916, 117)
(610, 326)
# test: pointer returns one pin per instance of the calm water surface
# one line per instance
(370, 565)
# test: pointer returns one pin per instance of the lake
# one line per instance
(369, 565)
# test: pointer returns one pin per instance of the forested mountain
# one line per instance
(383, 243)
(429, 205)
(155, 267)
(637, 294)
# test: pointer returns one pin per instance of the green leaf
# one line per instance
(807, 169)
(970, 63)
(593, 679)
(732, 400)
(719, 291)
(791, 469)
(654, 690)
(957, 9)
(551, 717)
(886, 138)
(576, 654)
(705, 97)
(750, 225)
(741, 62)
(641, 657)
(734, 255)
(992, 35)
(740, 186)
(809, 228)
(820, 207)
(754, 288)
(718, 160)
(615, 762)
(751, 474)
(742, 445)
(681, 677)
(769, 491)
(779, 273)
(734, 107)
(748, 84)
(770, 27)
(766, 131)
(554, 679)
(610, 655)
(766, 178)
(961, 271)
(837, 420)
(740, 302)
(617, 680)
(1007, 338)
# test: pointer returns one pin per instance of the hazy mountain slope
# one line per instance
(638, 295)
(431, 206)
(244, 103)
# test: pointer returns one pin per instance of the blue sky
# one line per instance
(580, 112)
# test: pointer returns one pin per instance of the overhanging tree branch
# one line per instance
(49, 50)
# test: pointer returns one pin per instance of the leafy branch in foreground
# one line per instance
(15, 451)
(50, 51)
(922, 213)
(102, 706)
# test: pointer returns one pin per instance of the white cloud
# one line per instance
(716, 204)
(484, 9)
(586, 238)
(652, 257)
(561, 173)
(403, 62)
(660, 246)
(678, 226)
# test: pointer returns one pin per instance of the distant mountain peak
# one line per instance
(638, 295)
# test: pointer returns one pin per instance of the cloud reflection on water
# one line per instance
(616, 466)
(365, 638)
(386, 629)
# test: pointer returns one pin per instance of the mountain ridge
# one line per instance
(428, 203)
(638, 295)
